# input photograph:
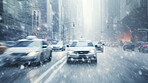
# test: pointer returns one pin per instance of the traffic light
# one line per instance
(73, 25)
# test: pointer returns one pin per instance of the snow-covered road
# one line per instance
(114, 66)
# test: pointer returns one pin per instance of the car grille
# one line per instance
(81, 52)
(19, 54)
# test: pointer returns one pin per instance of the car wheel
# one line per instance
(50, 56)
(143, 51)
(102, 50)
(36, 64)
(42, 59)
(132, 49)
(68, 61)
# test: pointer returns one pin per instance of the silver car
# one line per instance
(30, 51)
(81, 51)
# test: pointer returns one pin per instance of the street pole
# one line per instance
(63, 34)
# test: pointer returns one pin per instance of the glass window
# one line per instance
(28, 44)
(82, 44)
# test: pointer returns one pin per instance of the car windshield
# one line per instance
(54, 43)
(82, 44)
(28, 44)
(99, 42)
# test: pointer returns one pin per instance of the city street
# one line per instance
(113, 66)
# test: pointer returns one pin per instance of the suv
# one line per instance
(128, 46)
(81, 51)
(100, 46)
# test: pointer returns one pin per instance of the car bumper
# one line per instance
(81, 57)
(19, 60)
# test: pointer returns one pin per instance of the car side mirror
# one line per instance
(103, 44)
(96, 46)
(44, 46)
(67, 46)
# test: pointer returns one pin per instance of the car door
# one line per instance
(46, 50)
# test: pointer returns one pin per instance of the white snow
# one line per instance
(22, 67)
(140, 72)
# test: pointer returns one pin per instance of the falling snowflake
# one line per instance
(140, 72)
(22, 67)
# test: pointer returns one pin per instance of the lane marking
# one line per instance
(46, 72)
(54, 73)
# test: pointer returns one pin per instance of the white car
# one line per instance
(83, 51)
(28, 51)
(58, 46)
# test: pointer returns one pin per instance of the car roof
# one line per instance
(31, 40)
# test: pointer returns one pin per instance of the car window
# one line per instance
(99, 42)
(45, 43)
(82, 44)
(54, 42)
(28, 44)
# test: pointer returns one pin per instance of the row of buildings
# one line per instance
(51, 19)
(19, 18)
(125, 20)
(65, 19)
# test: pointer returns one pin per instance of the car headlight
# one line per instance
(92, 51)
(32, 53)
(70, 52)
(60, 46)
(8, 53)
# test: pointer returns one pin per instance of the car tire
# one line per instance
(37, 64)
(143, 51)
(50, 56)
(102, 50)
(42, 59)
(68, 61)
(133, 49)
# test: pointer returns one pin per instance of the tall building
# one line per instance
(19, 18)
(110, 15)
(55, 9)
(10, 22)
(134, 21)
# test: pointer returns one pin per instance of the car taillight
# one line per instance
(124, 45)
(144, 45)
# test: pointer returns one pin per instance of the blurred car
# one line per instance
(58, 46)
(28, 51)
(128, 46)
(81, 51)
(115, 44)
(99, 46)
(3, 47)
(10, 43)
(143, 47)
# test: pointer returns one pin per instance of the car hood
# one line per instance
(81, 48)
(23, 49)
(56, 45)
